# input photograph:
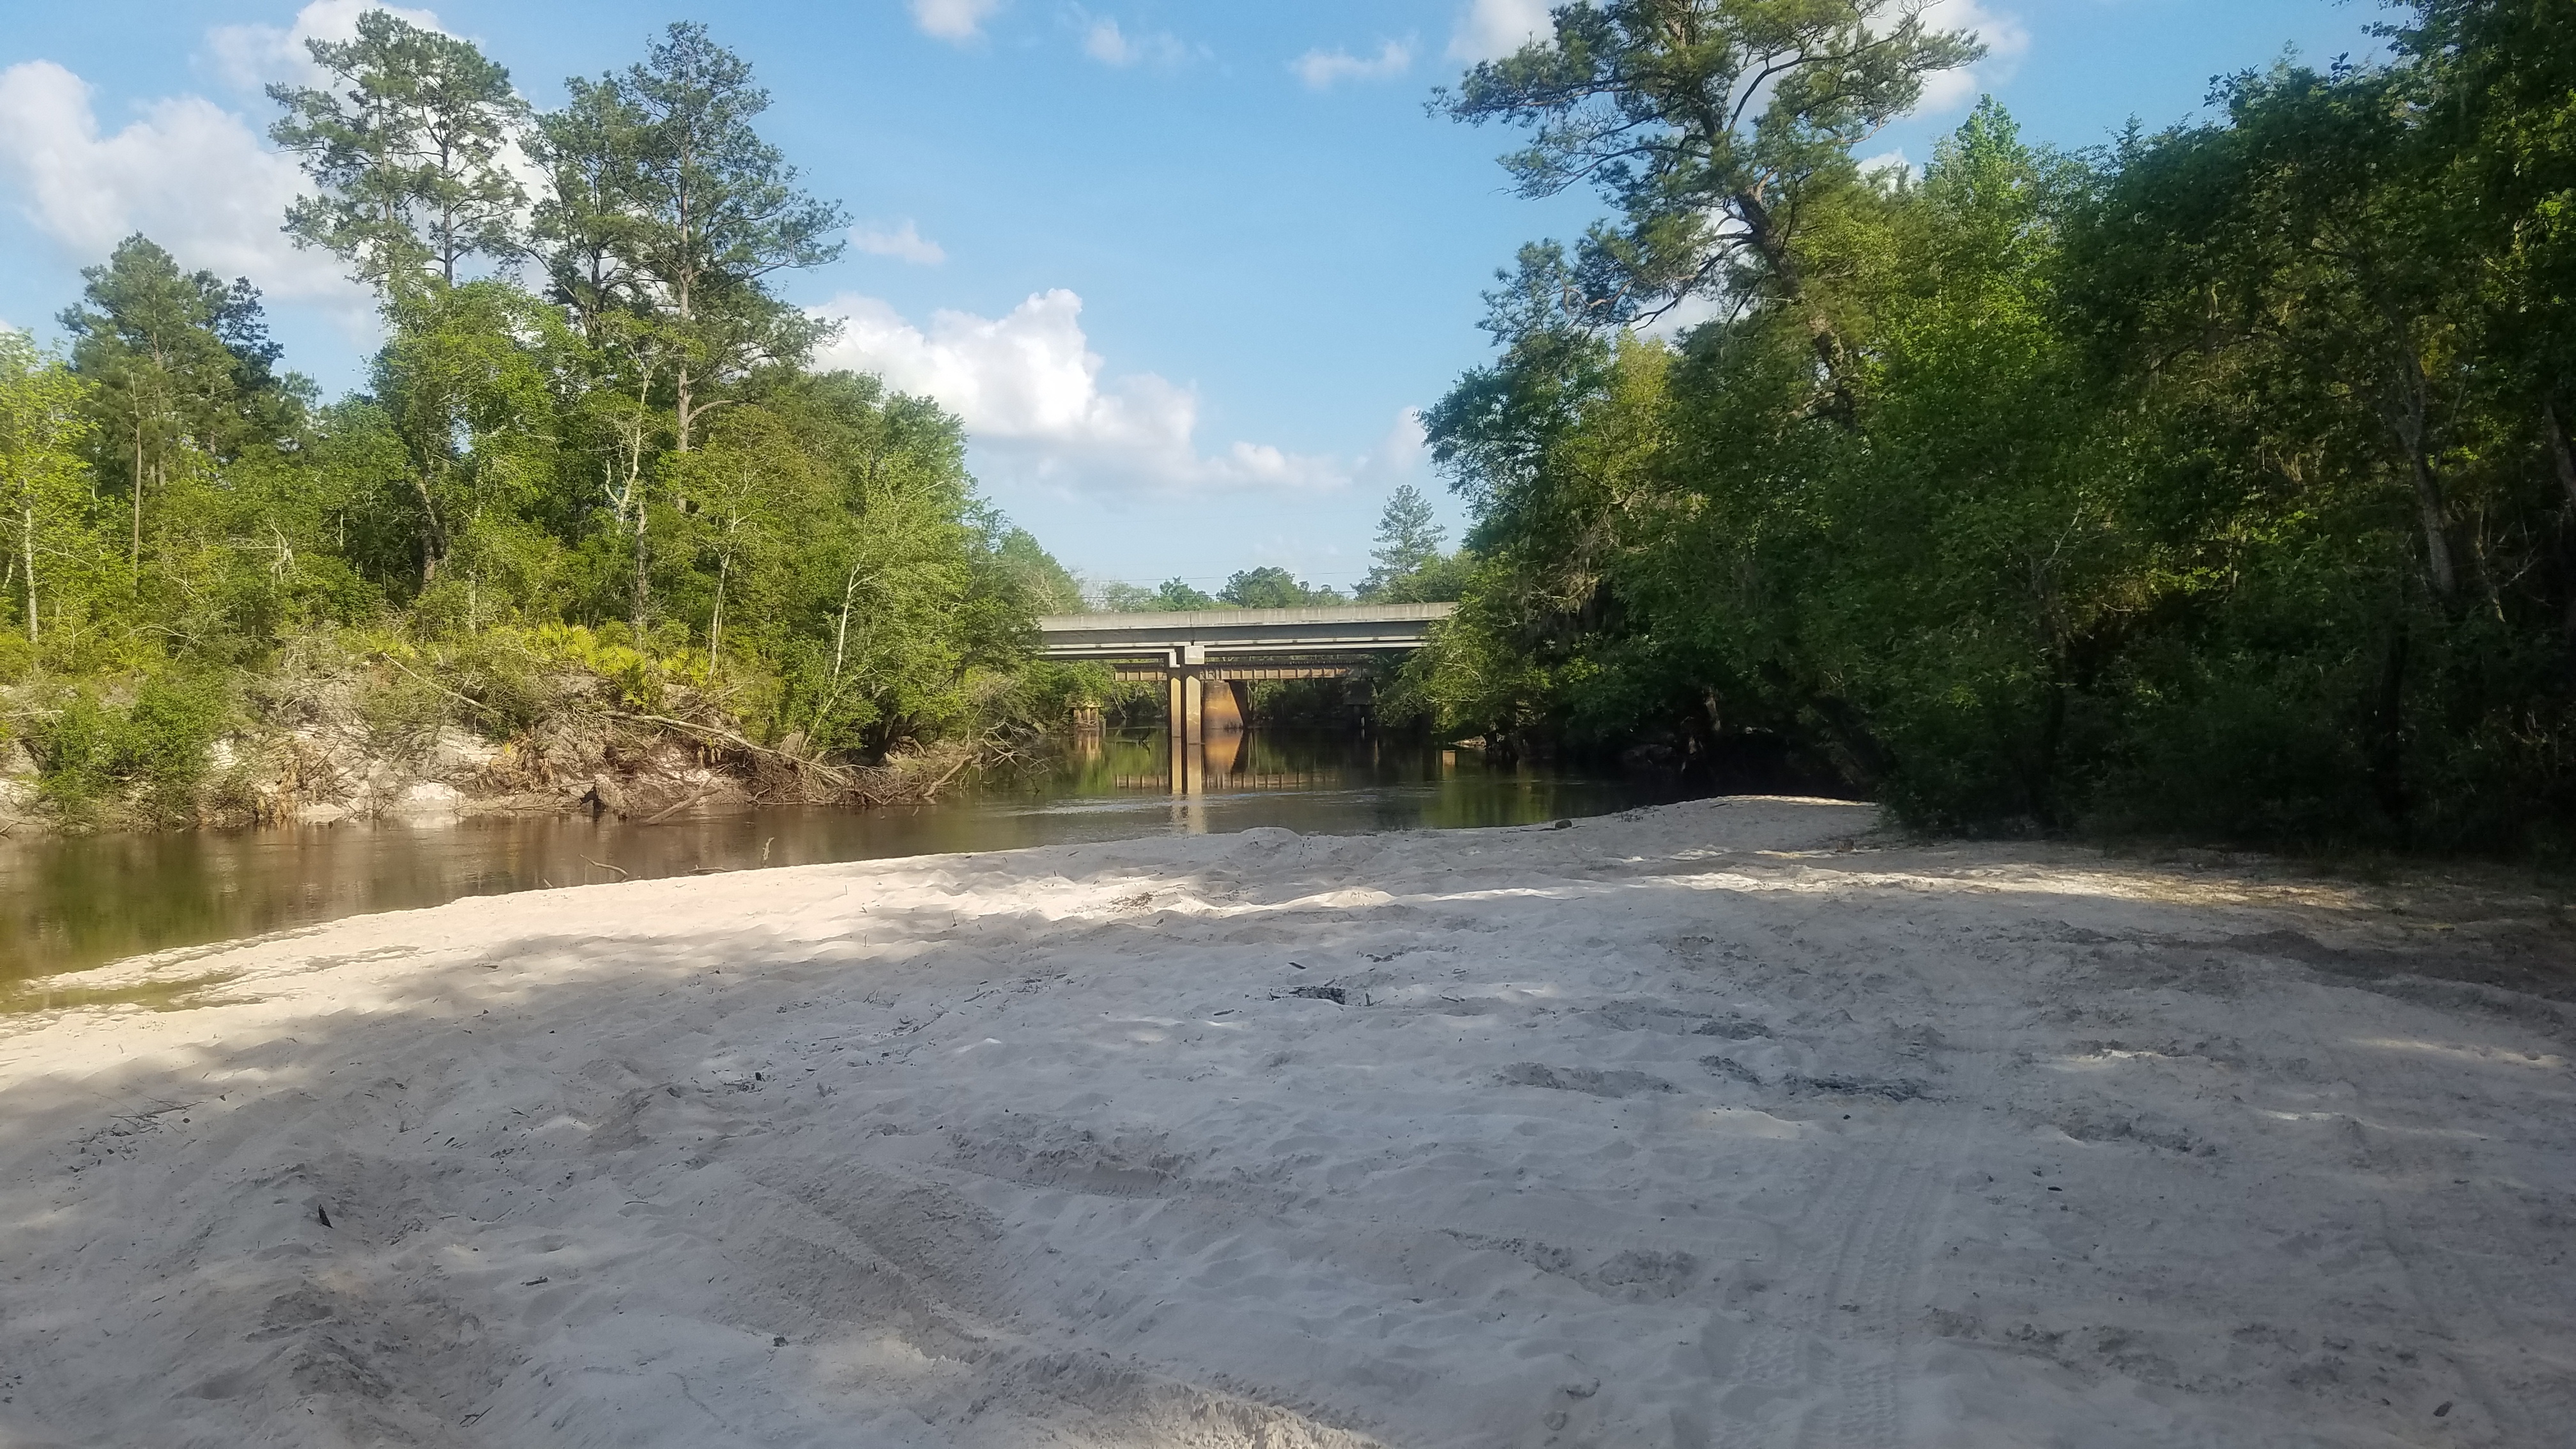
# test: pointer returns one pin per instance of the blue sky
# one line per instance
(1183, 267)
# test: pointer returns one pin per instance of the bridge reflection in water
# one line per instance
(1207, 660)
(1262, 762)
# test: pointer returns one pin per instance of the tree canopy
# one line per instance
(628, 467)
(2212, 482)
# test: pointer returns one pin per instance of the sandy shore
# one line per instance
(1695, 1127)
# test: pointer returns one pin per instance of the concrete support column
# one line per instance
(1186, 693)
(1222, 713)
(1194, 736)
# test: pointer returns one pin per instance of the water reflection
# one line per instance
(70, 903)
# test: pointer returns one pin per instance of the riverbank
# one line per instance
(515, 724)
(1722, 1122)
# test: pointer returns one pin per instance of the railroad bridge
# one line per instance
(1206, 659)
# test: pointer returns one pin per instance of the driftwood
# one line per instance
(735, 739)
(674, 808)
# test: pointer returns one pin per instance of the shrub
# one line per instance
(158, 745)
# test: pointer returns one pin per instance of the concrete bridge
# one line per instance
(1206, 659)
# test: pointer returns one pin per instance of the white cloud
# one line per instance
(189, 174)
(1890, 163)
(1033, 397)
(905, 242)
(2007, 41)
(958, 20)
(1403, 455)
(1103, 41)
(1323, 68)
(1684, 315)
(1492, 29)
(1106, 43)
(249, 57)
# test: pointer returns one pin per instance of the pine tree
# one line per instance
(1407, 541)
(407, 150)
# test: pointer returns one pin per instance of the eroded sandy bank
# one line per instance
(1695, 1127)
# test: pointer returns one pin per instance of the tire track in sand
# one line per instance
(1826, 1352)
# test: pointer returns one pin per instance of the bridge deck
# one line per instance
(1201, 635)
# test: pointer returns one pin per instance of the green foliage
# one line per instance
(1174, 596)
(44, 495)
(1408, 544)
(2215, 484)
(1273, 588)
(624, 493)
(667, 217)
(1441, 580)
(182, 367)
(1045, 692)
(1022, 567)
(157, 745)
(407, 143)
(1716, 128)
(640, 675)
(1178, 596)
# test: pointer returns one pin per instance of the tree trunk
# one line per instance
(840, 651)
(688, 315)
(2437, 541)
(2386, 751)
(715, 625)
(640, 596)
(27, 541)
(433, 540)
(841, 633)
(1764, 233)
(643, 580)
(2408, 423)
(2558, 451)
(2559, 455)
(642, 591)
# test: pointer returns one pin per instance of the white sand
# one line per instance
(1681, 1129)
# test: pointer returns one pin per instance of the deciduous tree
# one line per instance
(43, 480)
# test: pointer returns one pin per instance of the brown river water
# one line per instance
(68, 903)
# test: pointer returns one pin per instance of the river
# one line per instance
(72, 902)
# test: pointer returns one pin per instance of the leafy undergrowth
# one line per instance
(373, 723)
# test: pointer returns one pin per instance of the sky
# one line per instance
(1186, 268)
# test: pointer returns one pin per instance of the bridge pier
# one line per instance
(1202, 709)
(1221, 710)
(1301, 643)
(1186, 694)
(1199, 703)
